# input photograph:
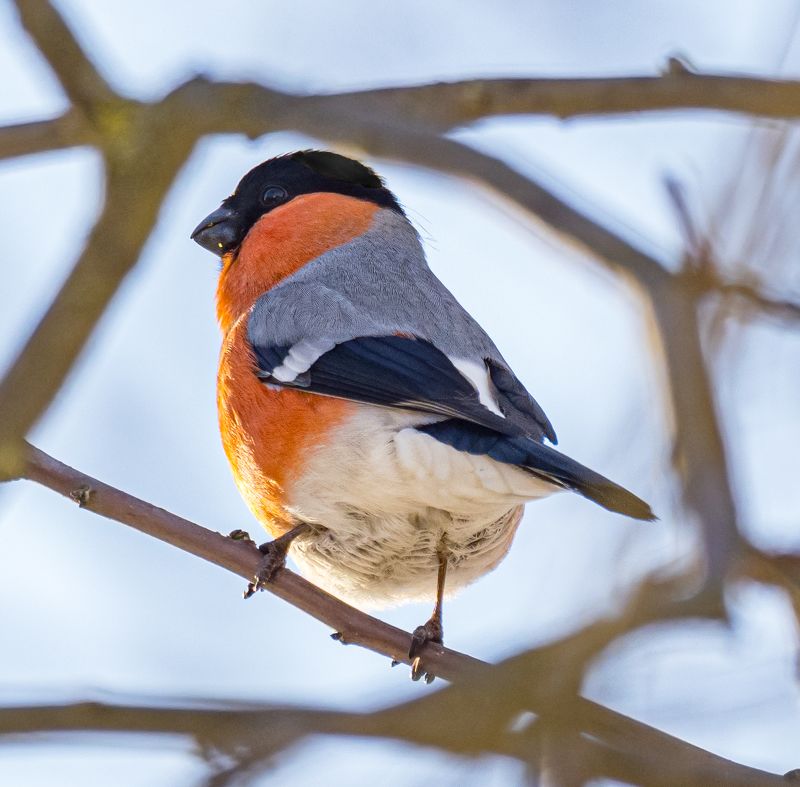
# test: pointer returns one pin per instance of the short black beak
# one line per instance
(219, 231)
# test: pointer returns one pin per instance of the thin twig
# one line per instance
(781, 309)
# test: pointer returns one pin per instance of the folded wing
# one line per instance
(482, 407)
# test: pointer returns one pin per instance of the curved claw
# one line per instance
(418, 671)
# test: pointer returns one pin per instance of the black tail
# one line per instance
(550, 464)
(542, 461)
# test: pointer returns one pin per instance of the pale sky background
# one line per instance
(88, 606)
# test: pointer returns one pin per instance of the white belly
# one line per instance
(383, 495)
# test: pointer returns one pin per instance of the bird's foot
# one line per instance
(272, 561)
(273, 558)
(430, 632)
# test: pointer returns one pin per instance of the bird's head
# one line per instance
(280, 180)
(283, 214)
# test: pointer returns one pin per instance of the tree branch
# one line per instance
(368, 121)
(450, 104)
(442, 106)
(23, 139)
(126, 132)
(781, 570)
(356, 627)
(700, 458)
(136, 187)
(257, 732)
(81, 81)
(781, 309)
(485, 698)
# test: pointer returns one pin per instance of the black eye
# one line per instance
(273, 195)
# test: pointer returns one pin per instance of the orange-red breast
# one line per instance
(368, 419)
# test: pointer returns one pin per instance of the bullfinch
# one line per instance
(371, 424)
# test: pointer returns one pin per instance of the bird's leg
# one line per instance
(432, 631)
(274, 558)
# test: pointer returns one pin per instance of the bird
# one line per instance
(372, 426)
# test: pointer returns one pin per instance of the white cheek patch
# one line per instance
(478, 376)
(300, 358)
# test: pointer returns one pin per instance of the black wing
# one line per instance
(518, 405)
(401, 371)
(393, 371)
